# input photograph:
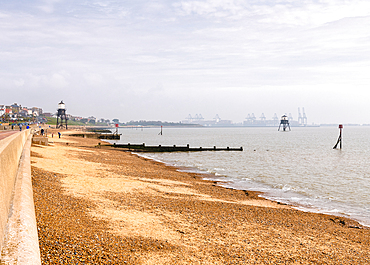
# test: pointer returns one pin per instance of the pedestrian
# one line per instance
(20, 127)
(59, 134)
(42, 132)
(52, 135)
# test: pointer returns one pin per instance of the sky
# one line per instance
(166, 59)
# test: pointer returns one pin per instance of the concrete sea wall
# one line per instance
(18, 231)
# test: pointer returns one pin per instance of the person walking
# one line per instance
(59, 134)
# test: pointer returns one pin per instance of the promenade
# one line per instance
(4, 134)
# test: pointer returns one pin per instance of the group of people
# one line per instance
(42, 131)
(52, 134)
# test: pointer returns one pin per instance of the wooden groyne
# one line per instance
(106, 136)
(173, 148)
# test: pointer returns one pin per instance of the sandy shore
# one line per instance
(101, 206)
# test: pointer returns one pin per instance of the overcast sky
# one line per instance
(166, 59)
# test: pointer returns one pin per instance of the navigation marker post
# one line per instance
(339, 138)
(117, 128)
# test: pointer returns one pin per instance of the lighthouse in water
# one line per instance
(284, 123)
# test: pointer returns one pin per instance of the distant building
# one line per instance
(8, 110)
(36, 111)
(102, 120)
(16, 108)
(47, 114)
(23, 112)
(2, 110)
(76, 118)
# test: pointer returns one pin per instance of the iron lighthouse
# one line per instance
(61, 115)
(284, 122)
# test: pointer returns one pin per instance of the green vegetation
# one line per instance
(53, 121)
(83, 122)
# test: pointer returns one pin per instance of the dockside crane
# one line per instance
(304, 118)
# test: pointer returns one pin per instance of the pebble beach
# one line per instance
(95, 205)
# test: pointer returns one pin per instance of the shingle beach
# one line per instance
(102, 206)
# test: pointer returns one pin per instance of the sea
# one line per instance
(298, 167)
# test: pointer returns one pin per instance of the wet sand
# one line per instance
(101, 206)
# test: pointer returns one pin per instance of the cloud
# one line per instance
(294, 13)
(48, 6)
(186, 55)
(19, 82)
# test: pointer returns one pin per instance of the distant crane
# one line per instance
(197, 117)
(275, 119)
(300, 119)
(263, 117)
(217, 118)
(304, 118)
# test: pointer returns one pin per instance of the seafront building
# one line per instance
(16, 112)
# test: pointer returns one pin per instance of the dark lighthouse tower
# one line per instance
(61, 115)
(284, 121)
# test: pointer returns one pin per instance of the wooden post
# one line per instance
(339, 141)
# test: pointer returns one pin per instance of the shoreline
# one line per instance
(120, 207)
(265, 195)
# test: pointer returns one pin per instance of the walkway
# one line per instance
(5, 134)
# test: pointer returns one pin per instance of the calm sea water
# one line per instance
(298, 167)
